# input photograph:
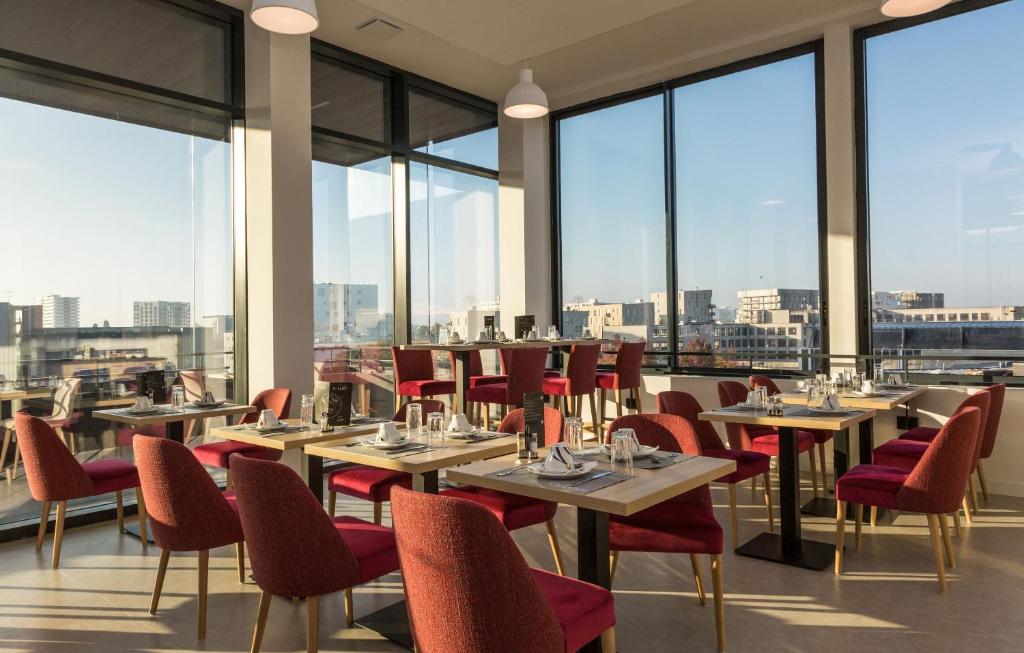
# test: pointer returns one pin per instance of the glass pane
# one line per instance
(443, 127)
(353, 296)
(350, 101)
(946, 196)
(612, 194)
(118, 259)
(746, 193)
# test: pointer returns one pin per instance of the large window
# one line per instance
(945, 195)
(696, 228)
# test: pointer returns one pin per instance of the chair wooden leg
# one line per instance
(967, 511)
(119, 502)
(840, 532)
(141, 501)
(956, 523)
(312, 624)
(486, 409)
(165, 556)
(451, 404)
(603, 400)
(973, 492)
(733, 519)
(577, 404)
(593, 417)
(608, 640)
(697, 580)
(44, 519)
(874, 516)
(768, 501)
(3, 450)
(940, 567)
(58, 532)
(227, 478)
(947, 541)
(613, 561)
(753, 487)
(261, 621)
(378, 512)
(637, 400)
(204, 575)
(858, 518)
(981, 480)
(719, 590)
(823, 468)
(556, 551)
(350, 619)
(618, 402)
(814, 472)
(398, 401)
(17, 460)
(332, 500)
(240, 560)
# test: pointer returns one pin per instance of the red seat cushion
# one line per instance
(487, 379)
(871, 485)
(512, 510)
(366, 482)
(112, 475)
(903, 454)
(920, 434)
(667, 527)
(583, 610)
(555, 385)
(426, 388)
(493, 393)
(607, 380)
(232, 499)
(769, 444)
(372, 545)
(217, 454)
(748, 463)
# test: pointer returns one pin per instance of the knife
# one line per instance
(592, 478)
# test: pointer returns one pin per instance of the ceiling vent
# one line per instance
(379, 29)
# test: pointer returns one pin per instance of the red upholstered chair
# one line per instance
(414, 376)
(625, 376)
(580, 381)
(461, 599)
(295, 549)
(934, 487)
(683, 524)
(54, 475)
(749, 464)
(218, 454)
(821, 436)
(525, 374)
(476, 370)
(373, 483)
(187, 511)
(505, 353)
(745, 438)
(60, 419)
(512, 510)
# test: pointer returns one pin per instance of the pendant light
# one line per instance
(285, 16)
(526, 99)
(905, 8)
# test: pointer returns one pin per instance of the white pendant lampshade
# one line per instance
(905, 8)
(285, 16)
(526, 99)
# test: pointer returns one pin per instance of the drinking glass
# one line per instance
(622, 453)
(306, 417)
(553, 332)
(760, 397)
(574, 434)
(178, 398)
(435, 427)
(414, 420)
(814, 396)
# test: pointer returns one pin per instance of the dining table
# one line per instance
(7, 397)
(788, 547)
(173, 420)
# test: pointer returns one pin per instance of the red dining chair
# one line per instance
(625, 376)
(504, 355)
(580, 381)
(525, 374)
(54, 475)
(683, 524)
(515, 511)
(218, 454)
(743, 437)
(821, 436)
(749, 464)
(187, 512)
(476, 374)
(295, 549)
(371, 483)
(61, 418)
(414, 376)
(492, 601)
(934, 487)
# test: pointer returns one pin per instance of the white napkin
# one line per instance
(868, 386)
(634, 444)
(455, 338)
(388, 433)
(559, 459)
(751, 397)
(459, 424)
(268, 419)
(801, 385)
(831, 402)
(897, 379)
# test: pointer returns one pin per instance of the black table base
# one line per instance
(133, 530)
(810, 554)
(593, 555)
(391, 622)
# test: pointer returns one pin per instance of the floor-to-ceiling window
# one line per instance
(944, 188)
(117, 212)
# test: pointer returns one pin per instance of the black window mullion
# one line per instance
(671, 249)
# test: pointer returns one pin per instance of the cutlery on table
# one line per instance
(511, 470)
(592, 478)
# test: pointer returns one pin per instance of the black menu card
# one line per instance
(339, 404)
(533, 421)
(152, 380)
(524, 324)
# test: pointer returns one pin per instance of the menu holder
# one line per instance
(524, 324)
(489, 326)
(339, 404)
(152, 380)
(533, 423)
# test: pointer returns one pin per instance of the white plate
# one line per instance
(826, 411)
(385, 446)
(867, 395)
(644, 452)
(462, 434)
(582, 469)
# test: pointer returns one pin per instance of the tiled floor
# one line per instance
(886, 601)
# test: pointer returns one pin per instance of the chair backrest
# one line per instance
(731, 393)
(427, 406)
(938, 481)
(982, 401)
(628, 363)
(194, 384)
(514, 422)
(466, 583)
(758, 381)
(187, 510)
(525, 373)
(476, 363)
(53, 473)
(293, 545)
(412, 365)
(278, 400)
(65, 396)
(997, 394)
(581, 371)
(685, 405)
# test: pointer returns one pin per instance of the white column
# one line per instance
(279, 223)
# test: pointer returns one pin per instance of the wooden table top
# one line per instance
(651, 486)
(893, 399)
(31, 393)
(109, 402)
(190, 412)
(511, 344)
(455, 452)
(789, 418)
(295, 439)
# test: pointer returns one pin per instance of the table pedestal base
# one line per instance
(133, 530)
(391, 622)
(768, 546)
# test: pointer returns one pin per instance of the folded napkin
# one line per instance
(388, 433)
(868, 386)
(459, 424)
(559, 459)
(831, 402)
